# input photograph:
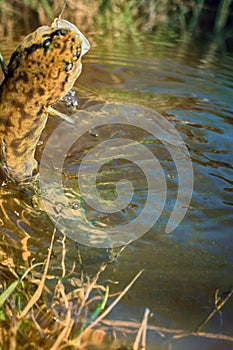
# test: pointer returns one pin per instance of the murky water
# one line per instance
(192, 88)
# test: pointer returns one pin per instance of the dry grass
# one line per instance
(43, 311)
(35, 315)
(19, 17)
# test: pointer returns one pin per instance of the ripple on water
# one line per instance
(185, 268)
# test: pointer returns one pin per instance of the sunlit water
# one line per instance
(192, 87)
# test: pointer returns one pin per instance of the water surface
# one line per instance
(191, 86)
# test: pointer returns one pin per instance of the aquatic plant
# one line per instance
(188, 19)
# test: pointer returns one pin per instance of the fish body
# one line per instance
(42, 69)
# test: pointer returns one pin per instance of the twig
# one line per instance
(216, 309)
(91, 287)
(142, 332)
(63, 256)
(178, 333)
(81, 266)
(107, 311)
(40, 287)
(65, 332)
(63, 116)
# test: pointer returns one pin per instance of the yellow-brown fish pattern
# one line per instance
(41, 71)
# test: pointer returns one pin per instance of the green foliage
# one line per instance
(117, 17)
(222, 15)
(34, 4)
(11, 288)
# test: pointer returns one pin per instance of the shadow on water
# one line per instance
(183, 269)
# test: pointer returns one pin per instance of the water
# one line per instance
(191, 86)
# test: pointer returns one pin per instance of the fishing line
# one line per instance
(64, 6)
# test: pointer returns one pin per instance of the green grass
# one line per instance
(117, 17)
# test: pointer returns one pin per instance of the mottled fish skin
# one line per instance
(42, 69)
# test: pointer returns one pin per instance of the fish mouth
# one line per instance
(62, 23)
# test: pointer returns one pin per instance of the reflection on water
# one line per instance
(193, 90)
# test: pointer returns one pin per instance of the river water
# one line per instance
(186, 270)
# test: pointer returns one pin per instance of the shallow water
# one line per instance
(191, 86)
